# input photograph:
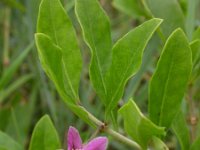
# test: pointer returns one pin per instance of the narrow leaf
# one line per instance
(133, 8)
(44, 136)
(190, 17)
(8, 143)
(51, 58)
(170, 79)
(126, 60)
(195, 47)
(196, 34)
(166, 10)
(55, 24)
(137, 125)
(4, 93)
(147, 60)
(96, 31)
(9, 72)
(181, 130)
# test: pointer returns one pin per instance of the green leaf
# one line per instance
(8, 143)
(44, 136)
(4, 117)
(96, 32)
(147, 60)
(183, 5)
(4, 93)
(20, 130)
(126, 60)
(191, 17)
(196, 34)
(10, 71)
(196, 144)
(51, 58)
(195, 47)
(170, 79)
(133, 8)
(137, 125)
(157, 144)
(55, 24)
(170, 11)
(181, 130)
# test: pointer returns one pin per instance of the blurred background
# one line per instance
(26, 93)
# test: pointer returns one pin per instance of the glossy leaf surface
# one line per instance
(137, 125)
(170, 79)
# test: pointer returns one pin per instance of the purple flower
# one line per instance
(75, 143)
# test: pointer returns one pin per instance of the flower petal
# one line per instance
(73, 139)
(99, 143)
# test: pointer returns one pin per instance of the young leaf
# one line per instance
(166, 10)
(96, 31)
(8, 143)
(170, 79)
(133, 8)
(44, 136)
(138, 126)
(181, 130)
(55, 24)
(126, 60)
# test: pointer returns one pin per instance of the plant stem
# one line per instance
(122, 138)
(113, 133)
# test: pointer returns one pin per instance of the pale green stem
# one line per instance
(122, 138)
(113, 133)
